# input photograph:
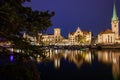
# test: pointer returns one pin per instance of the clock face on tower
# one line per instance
(115, 22)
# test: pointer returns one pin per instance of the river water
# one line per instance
(81, 65)
(75, 64)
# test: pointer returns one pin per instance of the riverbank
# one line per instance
(101, 46)
(98, 46)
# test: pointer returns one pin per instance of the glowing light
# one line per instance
(11, 58)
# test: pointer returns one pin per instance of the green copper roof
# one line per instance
(114, 13)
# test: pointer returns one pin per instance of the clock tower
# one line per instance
(115, 22)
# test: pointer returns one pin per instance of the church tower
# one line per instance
(57, 31)
(115, 22)
(57, 35)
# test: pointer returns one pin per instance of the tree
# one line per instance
(21, 69)
(15, 18)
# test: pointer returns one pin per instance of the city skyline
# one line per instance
(94, 16)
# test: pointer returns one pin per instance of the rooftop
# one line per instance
(108, 31)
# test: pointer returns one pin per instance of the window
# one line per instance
(108, 38)
(111, 39)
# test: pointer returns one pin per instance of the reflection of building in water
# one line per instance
(57, 63)
(111, 57)
(106, 57)
(75, 56)
(79, 57)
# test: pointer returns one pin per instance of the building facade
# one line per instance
(52, 39)
(106, 37)
(110, 36)
(80, 37)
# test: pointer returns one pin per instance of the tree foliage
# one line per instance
(21, 69)
(15, 19)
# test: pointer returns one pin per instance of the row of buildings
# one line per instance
(75, 38)
(80, 37)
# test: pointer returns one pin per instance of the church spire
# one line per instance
(114, 12)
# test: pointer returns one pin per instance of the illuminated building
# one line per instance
(52, 39)
(110, 36)
(76, 38)
(80, 37)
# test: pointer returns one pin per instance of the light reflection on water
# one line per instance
(109, 60)
(111, 57)
(74, 56)
(79, 57)
(11, 58)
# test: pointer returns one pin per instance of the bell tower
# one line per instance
(115, 22)
(57, 35)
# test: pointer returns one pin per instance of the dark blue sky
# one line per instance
(91, 15)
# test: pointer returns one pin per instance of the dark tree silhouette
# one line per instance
(15, 18)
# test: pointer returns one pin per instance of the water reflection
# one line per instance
(84, 63)
(73, 56)
(111, 57)
(11, 58)
(81, 57)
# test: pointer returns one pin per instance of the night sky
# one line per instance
(91, 15)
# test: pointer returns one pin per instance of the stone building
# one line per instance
(80, 37)
(110, 36)
(52, 39)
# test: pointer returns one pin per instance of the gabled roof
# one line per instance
(84, 31)
(78, 29)
(108, 31)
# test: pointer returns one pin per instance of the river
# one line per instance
(81, 65)
(73, 64)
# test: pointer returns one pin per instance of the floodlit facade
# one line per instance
(48, 39)
(106, 37)
(52, 39)
(80, 37)
(110, 36)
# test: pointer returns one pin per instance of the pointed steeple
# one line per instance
(78, 28)
(114, 13)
